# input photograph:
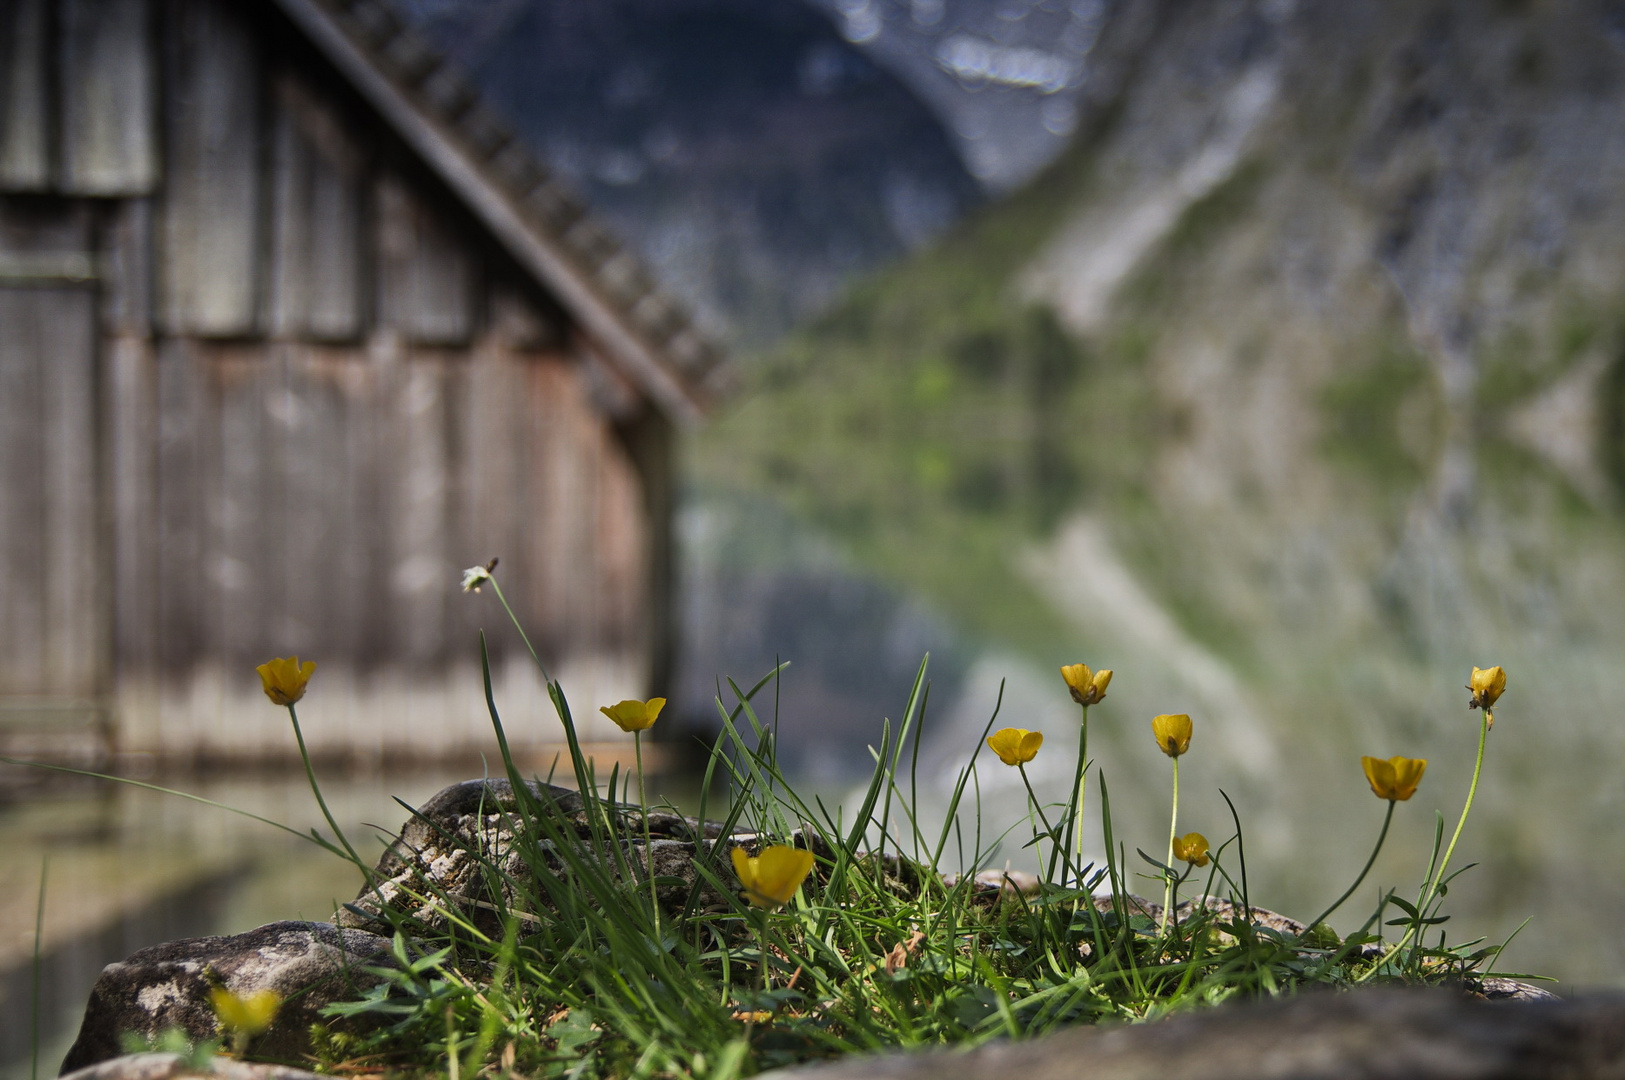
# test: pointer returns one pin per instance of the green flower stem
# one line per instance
(1048, 831)
(1079, 791)
(1472, 791)
(315, 789)
(1324, 915)
(761, 945)
(492, 581)
(1190, 868)
(1173, 830)
(648, 842)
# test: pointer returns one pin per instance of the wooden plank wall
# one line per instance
(317, 282)
(425, 276)
(212, 216)
(323, 394)
(52, 608)
(108, 97)
(78, 97)
(130, 428)
(25, 162)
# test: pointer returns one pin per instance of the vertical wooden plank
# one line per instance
(127, 283)
(496, 513)
(650, 443)
(109, 97)
(51, 610)
(420, 569)
(594, 542)
(456, 389)
(631, 610)
(355, 595)
(336, 218)
(395, 240)
(317, 216)
(212, 195)
(22, 497)
(287, 422)
(25, 142)
(52, 603)
(587, 495)
(239, 528)
(307, 533)
(336, 516)
(131, 408)
(183, 451)
(426, 278)
(580, 495)
(288, 305)
(75, 641)
(547, 456)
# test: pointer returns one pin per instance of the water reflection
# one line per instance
(1307, 552)
(1317, 615)
(126, 868)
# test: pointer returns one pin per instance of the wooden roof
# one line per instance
(605, 288)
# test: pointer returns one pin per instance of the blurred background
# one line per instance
(1270, 354)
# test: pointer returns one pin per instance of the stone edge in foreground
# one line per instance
(1325, 1035)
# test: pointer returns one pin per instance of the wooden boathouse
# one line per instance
(292, 330)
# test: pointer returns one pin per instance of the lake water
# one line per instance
(1306, 608)
(125, 868)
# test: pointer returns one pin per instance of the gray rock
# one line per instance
(1386, 1034)
(167, 986)
(176, 1067)
(442, 858)
(446, 852)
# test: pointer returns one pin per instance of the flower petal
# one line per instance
(1173, 733)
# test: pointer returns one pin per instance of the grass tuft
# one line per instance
(579, 963)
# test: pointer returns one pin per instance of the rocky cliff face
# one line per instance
(1445, 175)
(756, 157)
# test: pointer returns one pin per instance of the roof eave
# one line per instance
(461, 171)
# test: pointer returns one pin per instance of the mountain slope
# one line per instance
(1373, 236)
(755, 158)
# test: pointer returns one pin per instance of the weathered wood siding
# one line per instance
(25, 148)
(52, 604)
(109, 88)
(292, 393)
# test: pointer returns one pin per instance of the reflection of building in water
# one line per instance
(292, 332)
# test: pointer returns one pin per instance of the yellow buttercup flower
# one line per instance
(1173, 732)
(1087, 687)
(247, 1016)
(634, 715)
(1396, 778)
(1015, 746)
(1192, 848)
(1487, 685)
(285, 679)
(772, 878)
